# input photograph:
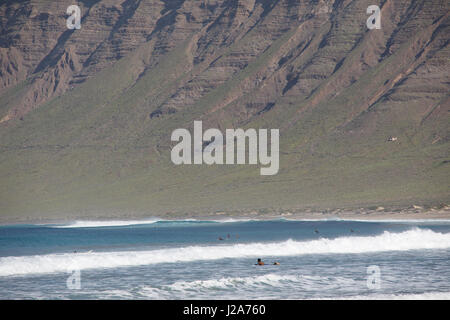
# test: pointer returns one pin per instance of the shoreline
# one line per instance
(357, 215)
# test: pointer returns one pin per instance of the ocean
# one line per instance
(195, 259)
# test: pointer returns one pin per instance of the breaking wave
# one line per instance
(121, 223)
(388, 241)
(97, 224)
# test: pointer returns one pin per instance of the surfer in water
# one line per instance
(261, 263)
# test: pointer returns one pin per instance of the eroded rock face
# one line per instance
(319, 48)
(37, 46)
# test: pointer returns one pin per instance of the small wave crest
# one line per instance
(204, 288)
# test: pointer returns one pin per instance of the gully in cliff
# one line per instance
(208, 147)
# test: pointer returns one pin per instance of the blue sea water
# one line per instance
(191, 259)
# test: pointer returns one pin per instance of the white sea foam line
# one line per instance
(270, 279)
(225, 283)
(232, 220)
(111, 223)
(243, 284)
(230, 282)
(408, 240)
(118, 223)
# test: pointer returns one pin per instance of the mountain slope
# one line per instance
(86, 115)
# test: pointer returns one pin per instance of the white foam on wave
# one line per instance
(120, 223)
(205, 288)
(239, 287)
(233, 282)
(408, 240)
(233, 220)
(100, 223)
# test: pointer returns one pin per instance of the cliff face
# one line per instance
(138, 69)
(224, 38)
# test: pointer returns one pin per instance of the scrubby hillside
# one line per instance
(86, 115)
